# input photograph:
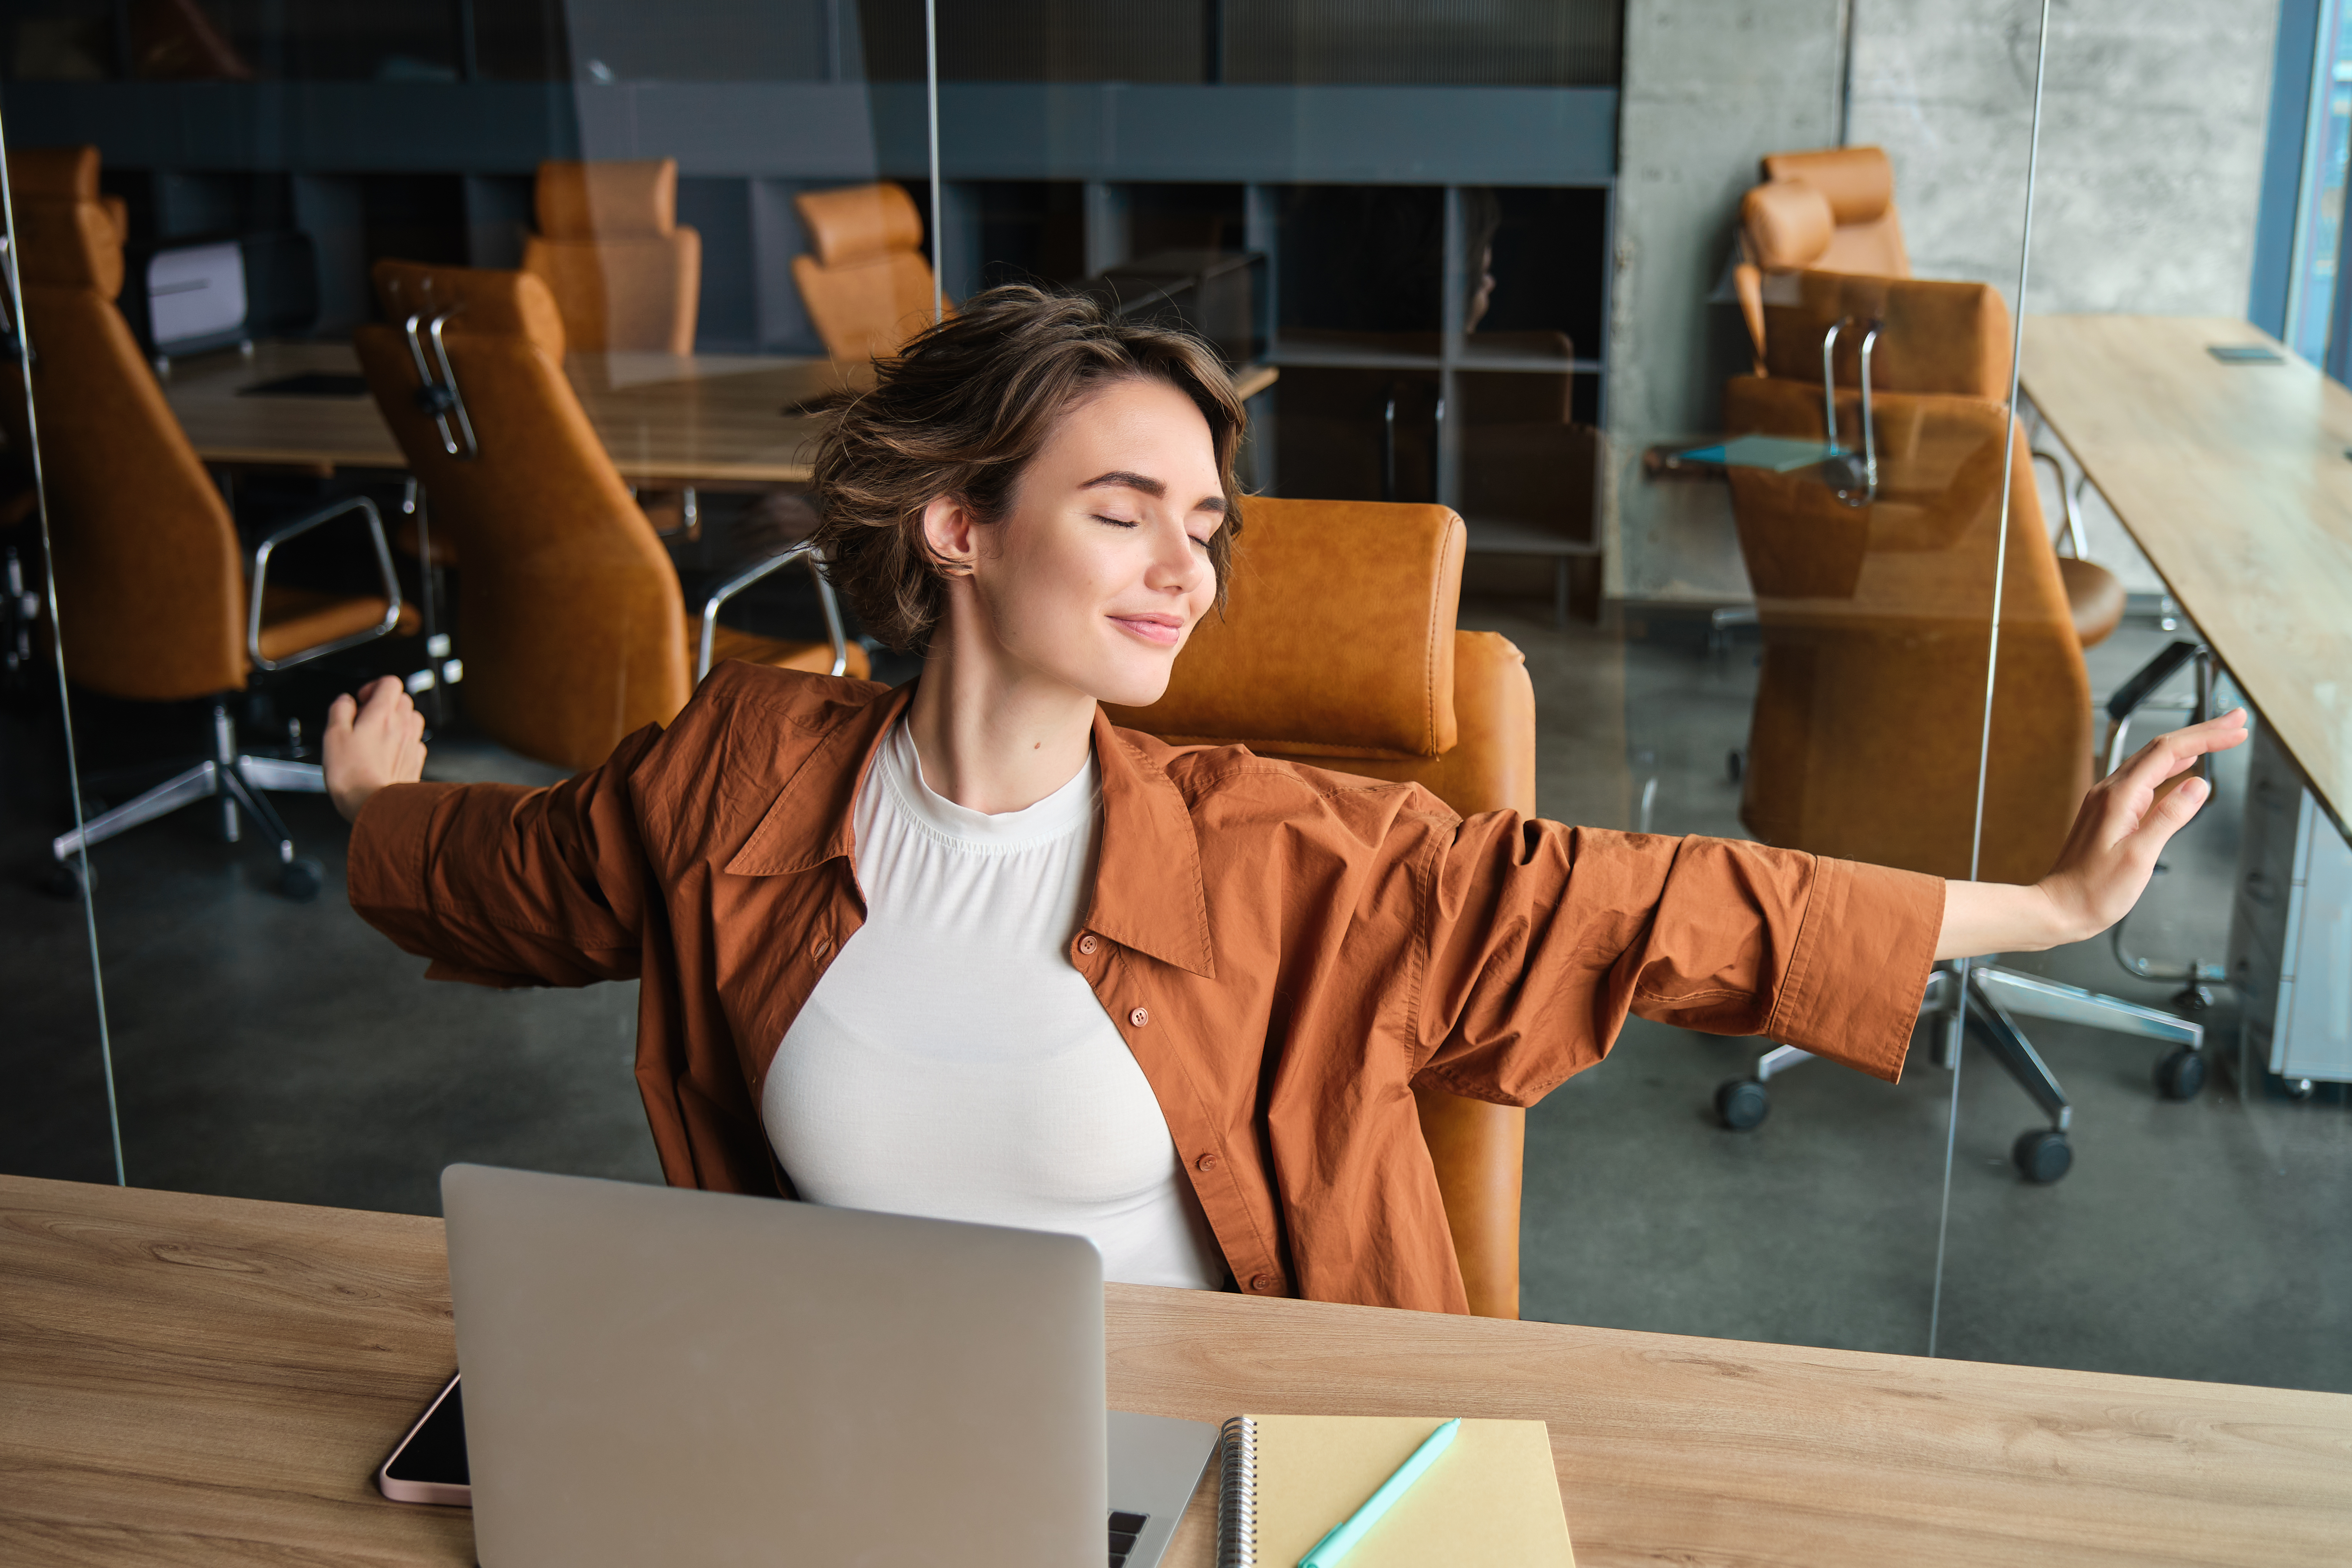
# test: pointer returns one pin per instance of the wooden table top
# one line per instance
(200, 1380)
(705, 419)
(708, 418)
(2236, 482)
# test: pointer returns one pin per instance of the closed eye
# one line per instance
(1116, 522)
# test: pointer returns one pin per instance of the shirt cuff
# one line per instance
(389, 872)
(1854, 983)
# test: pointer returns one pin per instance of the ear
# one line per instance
(951, 530)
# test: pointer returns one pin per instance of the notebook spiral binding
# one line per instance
(1237, 1495)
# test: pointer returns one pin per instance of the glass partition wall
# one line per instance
(2196, 1233)
(1703, 333)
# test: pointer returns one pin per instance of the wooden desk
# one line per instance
(2236, 482)
(200, 1380)
(699, 419)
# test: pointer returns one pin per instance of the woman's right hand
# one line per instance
(372, 741)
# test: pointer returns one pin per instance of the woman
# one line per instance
(964, 949)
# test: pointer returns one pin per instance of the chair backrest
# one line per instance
(1830, 211)
(1288, 671)
(573, 632)
(1875, 619)
(151, 579)
(625, 273)
(866, 285)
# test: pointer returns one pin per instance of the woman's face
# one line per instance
(1099, 568)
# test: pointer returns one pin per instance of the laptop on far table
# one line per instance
(654, 1375)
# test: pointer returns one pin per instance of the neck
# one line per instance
(992, 736)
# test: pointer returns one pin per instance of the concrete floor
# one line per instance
(285, 1052)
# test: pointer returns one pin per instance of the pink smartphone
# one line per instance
(428, 1465)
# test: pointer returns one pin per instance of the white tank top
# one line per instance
(952, 1063)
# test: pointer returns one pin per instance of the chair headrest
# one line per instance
(54, 175)
(859, 223)
(510, 304)
(1788, 223)
(68, 235)
(1336, 638)
(607, 200)
(1858, 180)
(1937, 337)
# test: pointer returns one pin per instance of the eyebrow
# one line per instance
(1123, 479)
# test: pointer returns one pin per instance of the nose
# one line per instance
(1177, 563)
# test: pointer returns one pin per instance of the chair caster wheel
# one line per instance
(301, 879)
(2042, 1156)
(63, 879)
(1742, 1104)
(2180, 1074)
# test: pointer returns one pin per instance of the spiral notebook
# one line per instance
(1492, 1497)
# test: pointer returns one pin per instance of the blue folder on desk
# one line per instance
(1777, 454)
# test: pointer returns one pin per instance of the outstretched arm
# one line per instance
(2109, 855)
(496, 884)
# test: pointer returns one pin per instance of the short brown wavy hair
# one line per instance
(961, 410)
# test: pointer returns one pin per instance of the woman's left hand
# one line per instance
(2124, 825)
(2127, 820)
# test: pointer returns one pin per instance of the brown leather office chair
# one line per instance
(1875, 608)
(1830, 211)
(1288, 671)
(1833, 210)
(572, 625)
(157, 599)
(866, 286)
(625, 273)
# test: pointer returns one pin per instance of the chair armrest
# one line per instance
(2128, 696)
(2075, 544)
(295, 530)
(753, 573)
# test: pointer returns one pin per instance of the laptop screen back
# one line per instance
(661, 1376)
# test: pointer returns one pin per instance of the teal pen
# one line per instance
(1343, 1535)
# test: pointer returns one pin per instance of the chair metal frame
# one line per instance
(294, 531)
(1840, 464)
(753, 573)
(238, 779)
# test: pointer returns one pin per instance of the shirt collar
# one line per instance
(1148, 893)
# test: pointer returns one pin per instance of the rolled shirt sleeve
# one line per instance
(1542, 937)
(506, 886)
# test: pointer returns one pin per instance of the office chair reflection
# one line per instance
(1876, 602)
(866, 288)
(157, 601)
(1833, 210)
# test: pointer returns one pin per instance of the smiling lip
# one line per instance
(1162, 631)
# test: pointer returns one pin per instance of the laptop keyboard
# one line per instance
(1124, 1528)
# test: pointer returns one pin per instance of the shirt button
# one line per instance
(1206, 1163)
(1139, 1017)
(821, 946)
(1088, 944)
(1262, 1283)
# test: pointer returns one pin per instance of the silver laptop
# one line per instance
(660, 1376)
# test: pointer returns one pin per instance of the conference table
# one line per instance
(195, 1380)
(2235, 480)
(716, 421)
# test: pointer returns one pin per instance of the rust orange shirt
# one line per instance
(1284, 950)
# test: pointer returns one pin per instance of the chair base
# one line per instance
(1993, 999)
(238, 782)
